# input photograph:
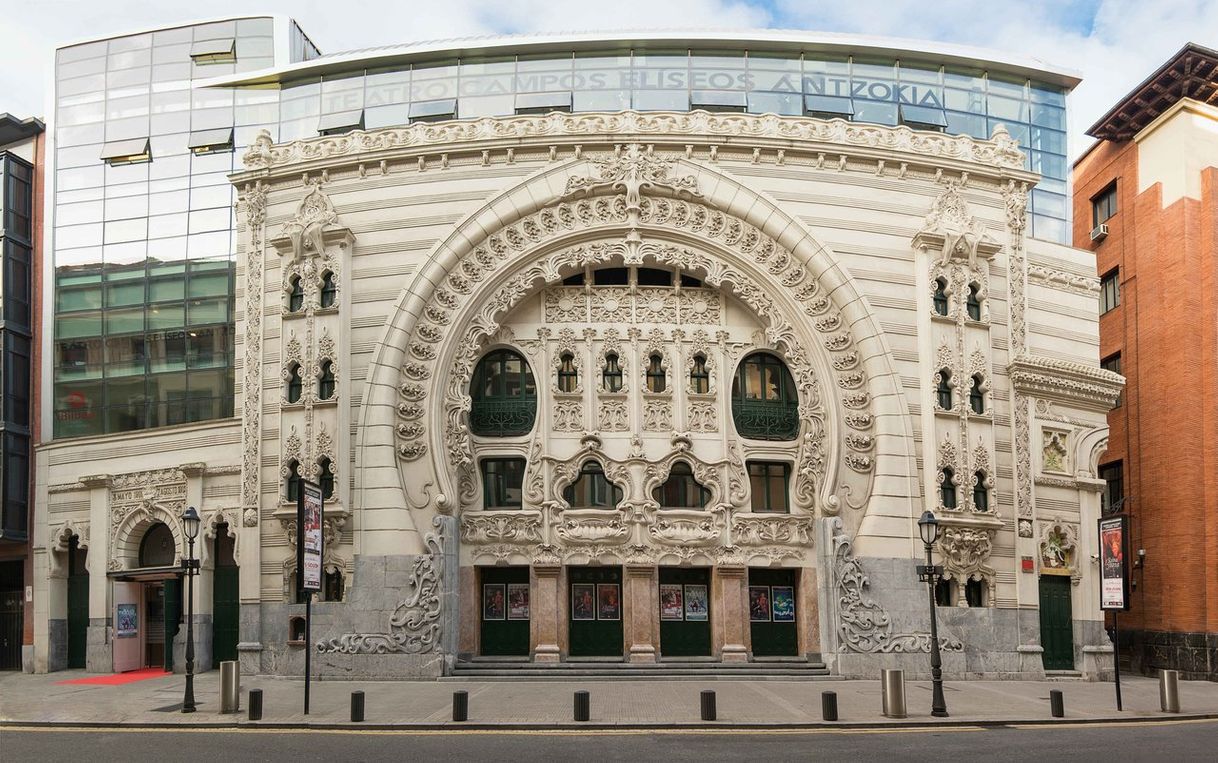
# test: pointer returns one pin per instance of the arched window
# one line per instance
(656, 376)
(944, 389)
(612, 376)
(699, 375)
(295, 383)
(765, 403)
(293, 482)
(295, 295)
(981, 494)
(325, 383)
(326, 478)
(943, 593)
(973, 303)
(329, 289)
(332, 585)
(976, 398)
(157, 546)
(941, 296)
(681, 490)
(974, 593)
(592, 489)
(504, 395)
(568, 374)
(947, 489)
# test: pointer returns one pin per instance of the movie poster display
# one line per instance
(672, 603)
(759, 603)
(583, 601)
(782, 602)
(127, 623)
(518, 601)
(609, 601)
(492, 601)
(1114, 571)
(696, 609)
(309, 537)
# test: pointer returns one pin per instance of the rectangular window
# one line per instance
(768, 483)
(433, 111)
(543, 103)
(211, 141)
(922, 118)
(341, 122)
(718, 100)
(133, 151)
(1104, 205)
(1113, 476)
(1110, 290)
(1113, 363)
(829, 107)
(502, 481)
(221, 51)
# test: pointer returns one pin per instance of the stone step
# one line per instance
(568, 677)
(500, 669)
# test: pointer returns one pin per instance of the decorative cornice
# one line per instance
(1000, 152)
(1060, 280)
(1040, 376)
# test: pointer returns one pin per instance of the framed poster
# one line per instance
(492, 601)
(127, 621)
(583, 601)
(672, 603)
(782, 601)
(309, 550)
(518, 601)
(608, 601)
(759, 604)
(1114, 571)
(696, 608)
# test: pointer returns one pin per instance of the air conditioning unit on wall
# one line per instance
(1099, 232)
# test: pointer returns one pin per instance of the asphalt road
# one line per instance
(1177, 741)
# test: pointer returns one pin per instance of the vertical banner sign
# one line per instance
(1114, 578)
(309, 550)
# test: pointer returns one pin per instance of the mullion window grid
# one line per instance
(766, 500)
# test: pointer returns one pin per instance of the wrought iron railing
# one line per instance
(503, 418)
(766, 419)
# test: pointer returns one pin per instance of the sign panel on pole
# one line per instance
(309, 537)
(1114, 571)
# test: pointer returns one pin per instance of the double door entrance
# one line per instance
(685, 612)
(594, 612)
(772, 613)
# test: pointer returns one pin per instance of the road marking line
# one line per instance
(489, 732)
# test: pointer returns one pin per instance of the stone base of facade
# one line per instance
(203, 645)
(99, 652)
(57, 645)
(1195, 655)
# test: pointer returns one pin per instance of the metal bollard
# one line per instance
(357, 706)
(708, 705)
(1169, 691)
(255, 704)
(230, 686)
(892, 686)
(583, 706)
(460, 706)
(1057, 704)
(828, 705)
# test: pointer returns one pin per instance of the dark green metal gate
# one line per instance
(595, 611)
(78, 607)
(1056, 629)
(772, 613)
(12, 617)
(226, 600)
(505, 611)
(685, 612)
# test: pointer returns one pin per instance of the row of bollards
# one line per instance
(892, 687)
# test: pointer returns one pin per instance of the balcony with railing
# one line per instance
(766, 419)
(503, 418)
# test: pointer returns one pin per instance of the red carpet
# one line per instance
(118, 679)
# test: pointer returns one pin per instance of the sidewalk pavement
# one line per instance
(655, 703)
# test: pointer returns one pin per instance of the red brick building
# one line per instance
(1146, 202)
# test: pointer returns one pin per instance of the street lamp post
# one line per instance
(190, 566)
(928, 527)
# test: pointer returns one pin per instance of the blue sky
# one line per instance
(1114, 44)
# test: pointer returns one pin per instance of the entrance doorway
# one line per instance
(12, 614)
(78, 605)
(1056, 629)
(685, 612)
(772, 613)
(154, 625)
(226, 599)
(504, 593)
(595, 611)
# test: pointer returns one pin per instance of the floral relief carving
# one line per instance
(613, 416)
(252, 204)
(1055, 452)
(761, 530)
(501, 527)
(953, 231)
(1059, 549)
(566, 304)
(965, 551)
(685, 528)
(703, 417)
(568, 416)
(657, 415)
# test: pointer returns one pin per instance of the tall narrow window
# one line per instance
(326, 478)
(973, 302)
(1113, 363)
(295, 295)
(768, 486)
(592, 489)
(329, 289)
(295, 384)
(1104, 205)
(504, 395)
(981, 494)
(325, 383)
(1113, 475)
(944, 389)
(941, 296)
(656, 378)
(612, 375)
(974, 593)
(947, 489)
(568, 375)
(943, 593)
(681, 490)
(976, 398)
(699, 376)
(765, 403)
(293, 481)
(1110, 290)
(502, 481)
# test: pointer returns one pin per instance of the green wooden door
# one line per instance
(505, 612)
(595, 611)
(772, 613)
(226, 600)
(1056, 630)
(78, 617)
(685, 612)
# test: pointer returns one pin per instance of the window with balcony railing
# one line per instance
(765, 402)
(504, 396)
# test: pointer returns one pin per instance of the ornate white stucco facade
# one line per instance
(820, 242)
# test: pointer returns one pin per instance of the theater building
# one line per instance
(601, 349)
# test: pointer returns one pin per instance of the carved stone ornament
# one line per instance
(863, 625)
(252, 203)
(951, 230)
(307, 230)
(1061, 380)
(1054, 451)
(965, 552)
(139, 500)
(61, 534)
(1059, 549)
(501, 527)
(414, 627)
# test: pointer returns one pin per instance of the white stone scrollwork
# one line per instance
(568, 416)
(766, 530)
(592, 526)
(252, 203)
(965, 552)
(952, 231)
(1059, 549)
(685, 528)
(501, 527)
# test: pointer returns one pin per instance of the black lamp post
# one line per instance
(190, 566)
(928, 527)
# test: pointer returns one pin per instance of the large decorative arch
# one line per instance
(130, 530)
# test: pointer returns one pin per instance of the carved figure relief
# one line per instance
(1054, 453)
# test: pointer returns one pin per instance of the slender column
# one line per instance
(731, 612)
(641, 613)
(544, 611)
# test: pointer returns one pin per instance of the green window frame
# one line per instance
(502, 483)
(568, 374)
(611, 377)
(292, 488)
(657, 377)
(765, 401)
(943, 389)
(981, 494)
(329, 289)
(592, 489)
(947, 489)
(326, 383)
(940, 296)
(976, 398)
(295, 295)
(504, 395)
(769, 487)
(973, 302)
(681, 490)
(699, 376)
(295, 384)
(325, 479)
